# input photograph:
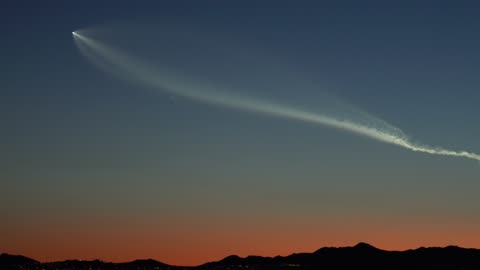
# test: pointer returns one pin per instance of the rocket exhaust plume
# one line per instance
(120, 64)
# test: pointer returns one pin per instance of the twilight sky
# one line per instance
(96, 165)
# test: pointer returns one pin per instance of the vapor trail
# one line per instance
(120, 64)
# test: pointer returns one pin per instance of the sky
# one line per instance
(96, 163)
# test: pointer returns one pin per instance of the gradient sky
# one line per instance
(96, 167)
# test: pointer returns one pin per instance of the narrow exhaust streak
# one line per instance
(113, 61)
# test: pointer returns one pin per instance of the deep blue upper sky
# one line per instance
(71, 134)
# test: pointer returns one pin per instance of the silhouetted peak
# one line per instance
(231, 259)
(147, 262)
(8, 259)
(364, 246)
(454, 247)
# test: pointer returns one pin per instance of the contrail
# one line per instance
(120, 64)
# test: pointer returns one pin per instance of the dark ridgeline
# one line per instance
(8, 261)
(361, 256)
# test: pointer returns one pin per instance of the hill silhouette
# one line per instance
(8, 261)
(360, 256)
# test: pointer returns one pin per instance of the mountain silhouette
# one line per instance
(360, 256)
(8, 261)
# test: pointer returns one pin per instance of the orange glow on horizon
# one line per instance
(194, 246)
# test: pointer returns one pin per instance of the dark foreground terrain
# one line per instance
(361, 256)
